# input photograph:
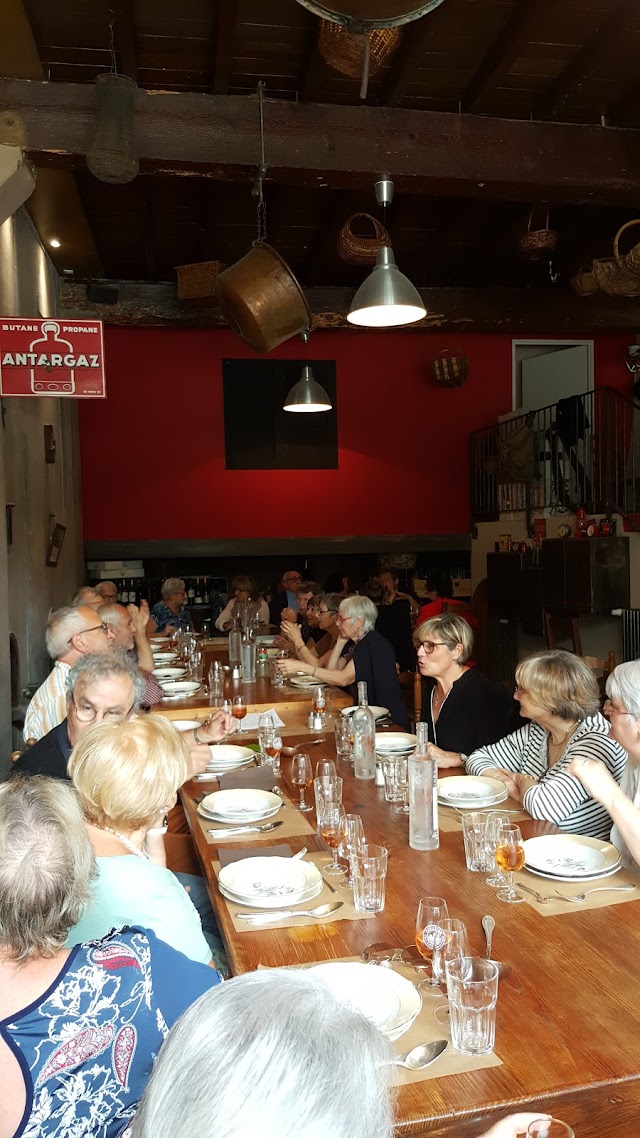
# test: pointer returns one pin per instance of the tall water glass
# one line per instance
(368, 874)
(474, 828)
(472, 988)
(277, 678)
(216, 684)
(342, 728)
(353, 840)
(265, 724)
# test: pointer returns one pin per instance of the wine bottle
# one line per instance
(198, 593)
(206, 598)
(190, 592)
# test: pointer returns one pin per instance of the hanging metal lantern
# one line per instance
(111, 156)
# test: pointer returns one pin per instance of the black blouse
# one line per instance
(375, 663)
(475, 713)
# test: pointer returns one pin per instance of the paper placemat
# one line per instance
(423, 1030)
(228, 857)
(294, 825)
(547, 888)
(346, 913)
(449, 821)
(248, 778)
(252, 722)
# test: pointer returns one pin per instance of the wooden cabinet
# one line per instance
(585, 575)
(515, 589)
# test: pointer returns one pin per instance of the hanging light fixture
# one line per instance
(386, 299)
(307, 394)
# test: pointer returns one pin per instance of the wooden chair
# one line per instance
(574, 628)
(601, 667)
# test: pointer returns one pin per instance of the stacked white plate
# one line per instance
(571, 857)
(378, 712)
(469, 791)
(159, 640)
(395, 742)
(387, 999)
(270, 882)
(169, 673)
(267, 640)
(304, 681)
(226, 757)
(179, 689)
(241, 805)
(185, 724)
(164, 657)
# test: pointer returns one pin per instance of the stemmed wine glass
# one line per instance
(333, 825)
(302, 777)
(239, 710)
(510, 858)
(495, 819)
(352, 840)
(452, 944)
(431, 910)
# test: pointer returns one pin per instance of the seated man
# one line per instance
(129, 633)
(71, 634)
(171, 612)
(108, 591)
(87, 596)
(287, 598)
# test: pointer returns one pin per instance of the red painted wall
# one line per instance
(153, 451)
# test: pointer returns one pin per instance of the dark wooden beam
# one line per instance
(312, 71)
(275, 546)
(124, 37)
(464, 155)
(401, 71)
(504, 49)
(526, 310)
(611, 32)
(626, 106)
(227, 11)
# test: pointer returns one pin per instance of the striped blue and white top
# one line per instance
(49, 705)
(557, 796)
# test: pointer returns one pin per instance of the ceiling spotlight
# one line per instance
(54, 243)
(307, 394)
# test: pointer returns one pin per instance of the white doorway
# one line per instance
(545, 371)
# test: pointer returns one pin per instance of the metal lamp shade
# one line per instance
(387, 299)
(307, 394)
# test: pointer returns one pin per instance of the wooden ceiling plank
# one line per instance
(502, 52)
(226, 16)
(601, 45)
(124, 36)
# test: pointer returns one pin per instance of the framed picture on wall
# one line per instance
(56, 539)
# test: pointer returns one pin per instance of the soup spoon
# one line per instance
(318, 913)
(421, 1056)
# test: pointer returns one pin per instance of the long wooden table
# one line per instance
(568, 1029)
(292, 704)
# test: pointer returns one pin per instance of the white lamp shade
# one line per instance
(386, 299)
(307, 395)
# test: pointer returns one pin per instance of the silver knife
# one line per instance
(220, 835)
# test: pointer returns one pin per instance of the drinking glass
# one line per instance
(277, 678)
(549, 1128)
(450, 945)
(239, 710)
(510, 858)
(368, 873)
(326, 788)
(272, 747)
(325, 768)
(342, 728)
(495, 819)
(474, 827)
(400, 767)
(333, 826)
(352, 841)
(431, 910)
(472, 988)
(302, 777)
(216, 683)
(265, 724)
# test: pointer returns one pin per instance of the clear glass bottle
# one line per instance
(235, 641)
(424, 833)
(363, 727)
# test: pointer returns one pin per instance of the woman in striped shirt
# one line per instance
(558, 692)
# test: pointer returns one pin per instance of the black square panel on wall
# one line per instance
(259, 435)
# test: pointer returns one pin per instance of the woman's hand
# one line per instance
(292, 633)
(219, 724)
(444, 758)
(509, 778)
(595, 778)
(290, 615)
(513, 1125)
(288, 667)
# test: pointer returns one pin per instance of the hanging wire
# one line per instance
(257, 189)
(112, 46)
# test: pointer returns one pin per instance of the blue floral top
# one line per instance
(86, 1046)
(163, 616)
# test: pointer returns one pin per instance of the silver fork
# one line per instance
(578, 898)
(541, 898)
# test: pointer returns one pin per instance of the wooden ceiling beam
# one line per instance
(504, 49)
(313, 69)
(626, 104)
(544, 310)
(401, 71)
(226, 15)
(124, 37)
(426, 151)
(614, 28)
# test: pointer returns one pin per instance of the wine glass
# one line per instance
(272, 747)
(495, 819)
(239, 710)
(333, 826)
(352, 840)
(325, 768)
(450, 945)
(265, 724)
(510, 858)
(549, 1128)
(302, 777)
(431, 910)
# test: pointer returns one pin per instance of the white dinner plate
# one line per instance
(237, 804)
(164, 657)
(240, 819)
(384, 997)
(281, 880)
(581, 878)
(185, 724)
(222, 768)
(269, 902)
(469, 790)
(222, 753)
(378, 712)
(392, 741)
(169, 673)
(306, 682)
(267, 640)
(180, 687)
(153, 640)
(570, 855)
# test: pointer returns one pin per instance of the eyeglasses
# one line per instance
(94, 628)
(611, 710)
(86, 713)
(292, 580)
(428, 645)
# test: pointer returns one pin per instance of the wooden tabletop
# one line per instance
(259, 696)
(568, 1025)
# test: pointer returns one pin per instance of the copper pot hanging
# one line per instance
(370, 13)
(262, 300)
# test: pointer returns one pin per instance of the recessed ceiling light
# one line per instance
(54, 243)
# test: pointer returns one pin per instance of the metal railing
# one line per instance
(580, 451)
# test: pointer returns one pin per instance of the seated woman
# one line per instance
(622, 802)
(558, 692)
(80, 1027)
(127, 773)
(171, 613)
(269, 1047)
(394, 622)
(464, 710)
(244, 598)
(326, 608)
(359, 654)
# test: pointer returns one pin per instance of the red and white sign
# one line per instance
(51, 357)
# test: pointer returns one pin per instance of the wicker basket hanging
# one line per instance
(354, 249)
(451, 367)
(537, 243)
(584, 283)
(618, 275)
(632, 258)
(345, 52)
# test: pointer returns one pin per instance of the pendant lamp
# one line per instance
(307, 395)
(386, 299)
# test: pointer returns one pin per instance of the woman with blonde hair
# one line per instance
(463, 709)
(127, 773)
(244, 600)
(558, 693)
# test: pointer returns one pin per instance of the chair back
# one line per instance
(551, 623)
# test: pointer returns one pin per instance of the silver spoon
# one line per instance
(421, 1056)
(579, 897)
(309, 743)
(489, 924)
(318, 913)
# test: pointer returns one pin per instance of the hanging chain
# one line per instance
(257, 189)
(112, 46)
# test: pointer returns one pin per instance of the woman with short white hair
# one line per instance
(171, 613)
(622, 802)
(80, 1027)
(359, 654)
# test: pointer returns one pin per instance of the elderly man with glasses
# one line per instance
(72, 632)
(287, 598)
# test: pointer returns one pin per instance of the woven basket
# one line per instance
(537, 243)
(584, 283)
(451, 367)
(345, 53)
(356, 250)
(619, 275)
(632, 258)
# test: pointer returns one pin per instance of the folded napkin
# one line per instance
(226, 857)
(251, 722)
(255, 778)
